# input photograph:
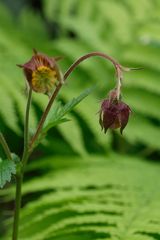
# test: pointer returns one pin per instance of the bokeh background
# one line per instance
(81, 183)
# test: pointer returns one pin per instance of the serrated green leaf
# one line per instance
(58, 112)
(15, 158)
(116, 197)
(7, 168)
(132, 45)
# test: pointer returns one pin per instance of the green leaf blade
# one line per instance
(58, 112)
(7, 168)
(117, 196)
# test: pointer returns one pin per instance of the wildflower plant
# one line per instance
(43, 75)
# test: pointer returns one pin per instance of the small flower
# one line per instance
(114, 114)
(42, 73)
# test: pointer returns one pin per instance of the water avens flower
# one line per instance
(114, 113)
(42, 73)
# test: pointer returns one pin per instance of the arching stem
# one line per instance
(66, 75)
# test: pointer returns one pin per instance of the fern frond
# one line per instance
(92, 198)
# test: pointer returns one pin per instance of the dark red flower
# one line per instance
(114, 114)
(41, 72)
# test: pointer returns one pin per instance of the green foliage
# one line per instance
(134, 40)
(95, 26)
(92, 198)
(98, 197)
(7, 168)
(58, 112)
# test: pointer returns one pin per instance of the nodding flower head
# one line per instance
(42, 72)
(114, 113)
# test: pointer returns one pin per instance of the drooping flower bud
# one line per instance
(114, 113)
(42, 73)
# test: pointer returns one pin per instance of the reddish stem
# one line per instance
(66, 74)
(93, 54)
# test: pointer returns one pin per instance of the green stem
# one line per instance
(19, 180)
(26, 125)
(19, 175)
(5, 147)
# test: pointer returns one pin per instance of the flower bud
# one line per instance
(42, 73)
(114, 114)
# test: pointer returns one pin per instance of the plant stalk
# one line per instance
(66, 75)
(5, 147)
(19, 180)
(19, 175)
(26, 127)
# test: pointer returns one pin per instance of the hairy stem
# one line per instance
(20, 173)
(5, 147)
(67, 73)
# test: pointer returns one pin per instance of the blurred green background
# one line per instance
(81, 183)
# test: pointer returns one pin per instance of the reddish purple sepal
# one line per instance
(114, 114)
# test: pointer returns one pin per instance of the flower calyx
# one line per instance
(42, 73)
(113, 113)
